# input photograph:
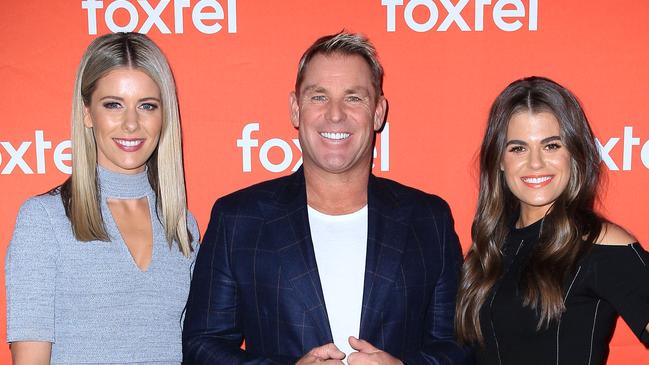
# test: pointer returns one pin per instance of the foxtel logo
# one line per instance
(205, 15)
(247, 142)
(507, 15)
(12, 155)
(628, 142)
(16, 155)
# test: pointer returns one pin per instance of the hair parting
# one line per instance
(570, 226)
(80, 192)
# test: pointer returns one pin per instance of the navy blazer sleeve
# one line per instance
(438, 343)
(212, 332)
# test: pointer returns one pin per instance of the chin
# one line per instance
(132, 169)
(333, 166)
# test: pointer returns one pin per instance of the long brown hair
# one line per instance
(570, 227)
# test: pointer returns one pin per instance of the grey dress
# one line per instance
(89, 298)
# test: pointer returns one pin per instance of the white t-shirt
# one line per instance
(340, 245)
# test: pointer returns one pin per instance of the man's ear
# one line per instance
(379, 113)
(87, 120)
(294, 109)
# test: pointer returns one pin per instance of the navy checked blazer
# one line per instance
(256, 278)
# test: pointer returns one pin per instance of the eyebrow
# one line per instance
(351, 90)
(543, 141)
(357, 90)
(315, 88)
(122, 99)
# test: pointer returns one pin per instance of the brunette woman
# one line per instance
(546, 276)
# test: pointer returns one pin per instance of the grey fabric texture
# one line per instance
(89, 298)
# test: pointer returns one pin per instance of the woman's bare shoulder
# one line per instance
(614, 235)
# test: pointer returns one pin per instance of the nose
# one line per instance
(335, 111)
(535, 159)
(131, 120)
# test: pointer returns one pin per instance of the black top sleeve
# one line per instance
(622, 279)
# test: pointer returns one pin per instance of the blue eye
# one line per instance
(112, 105)
(354, 99)
(318, 98)
(149, 106)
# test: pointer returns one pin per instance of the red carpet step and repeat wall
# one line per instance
(235, 64)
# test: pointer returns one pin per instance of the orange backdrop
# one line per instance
(235, 64)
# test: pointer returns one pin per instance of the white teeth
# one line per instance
(536, 180)
(335, 136)
(128, 143)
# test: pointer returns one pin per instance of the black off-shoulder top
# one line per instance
(608, 281)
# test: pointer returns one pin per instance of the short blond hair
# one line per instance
(348, 44)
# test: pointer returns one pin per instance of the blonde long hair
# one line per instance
(165, 166)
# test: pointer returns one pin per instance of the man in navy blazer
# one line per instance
(331, 257)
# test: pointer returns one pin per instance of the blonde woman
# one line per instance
(98, 269)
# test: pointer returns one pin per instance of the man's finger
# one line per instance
(328, 351)
(354, 357)
(362, 345)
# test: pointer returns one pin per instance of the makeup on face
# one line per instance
(126, 117)
(535, 163)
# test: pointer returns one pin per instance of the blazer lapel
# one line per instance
(289, 224)
(386, 238)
